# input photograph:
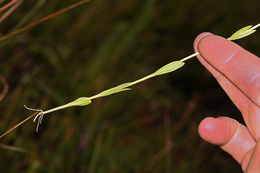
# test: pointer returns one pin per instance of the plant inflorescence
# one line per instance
(84, 101)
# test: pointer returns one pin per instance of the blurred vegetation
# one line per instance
(97, 46)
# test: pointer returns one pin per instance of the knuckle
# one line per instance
(254, 88)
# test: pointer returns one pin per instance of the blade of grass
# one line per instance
(44, 19)
(7, 5)
(5, 15)
(29, 14)
(5, 87)
(96, 154)
(13, 148)
(17, 125)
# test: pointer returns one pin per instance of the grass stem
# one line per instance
(189, 57)
(17, 125)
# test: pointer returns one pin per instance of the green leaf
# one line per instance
(169, 68)
(241, 33)
(247, 34)
(82, 101)
(117, 89)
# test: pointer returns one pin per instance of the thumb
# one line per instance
(230, 135)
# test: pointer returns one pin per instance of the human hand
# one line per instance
(238, 73)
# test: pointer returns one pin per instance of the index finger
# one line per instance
(236, 70)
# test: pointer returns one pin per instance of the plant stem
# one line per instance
(254, 27)
(141, 80)
(42, 19)
(55, 109)
(17, 125)
(189, 57)
(130, 84)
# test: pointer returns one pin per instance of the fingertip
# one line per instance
(217, 51)
(199, 38)
(206, 128)
(209, 46)
(216, 130)
(206, 125)
(230, 135)
(196, 44)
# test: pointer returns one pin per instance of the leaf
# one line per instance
(241, 33)
(82, 101)
(169, 68)
(13, 148)
(43, 19)
(247, 34)
(117, 89)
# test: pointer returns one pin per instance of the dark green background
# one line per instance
(152, 128)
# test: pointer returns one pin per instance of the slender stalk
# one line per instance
(17, 125)
(26, 17)
(141, 80)
(10, 11)
(254, 27)
(55, 109)
(43, 19)
(13, 148)
(5, 87)
(7, 5)
(130, 84)
(189, 57)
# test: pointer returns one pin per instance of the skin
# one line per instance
(238, 73)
